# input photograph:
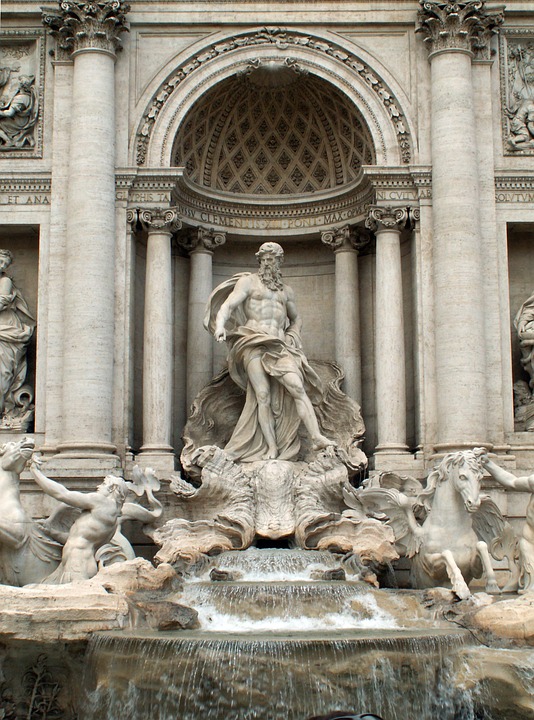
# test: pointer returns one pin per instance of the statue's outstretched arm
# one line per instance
(133, 511)
(524, 484)
(58, 491)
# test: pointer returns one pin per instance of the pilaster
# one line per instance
(63, 72)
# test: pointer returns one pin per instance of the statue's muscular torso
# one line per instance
(266, 309)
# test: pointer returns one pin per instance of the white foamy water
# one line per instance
(272, 565)
(283, 618)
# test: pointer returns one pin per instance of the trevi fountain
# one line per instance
(266, 360)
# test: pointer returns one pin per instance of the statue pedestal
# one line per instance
(398, 462)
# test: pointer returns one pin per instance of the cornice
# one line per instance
(515, 188)
(139, 186)
(400, 183)
(225, 211)
(25, 184)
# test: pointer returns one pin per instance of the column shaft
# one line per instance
(89, 282)
(199, 342)
(460, 357)
(389, 344)
(456, 31)
(158, 339)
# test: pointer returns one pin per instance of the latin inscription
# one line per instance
(24, 199)
(514, 197)
(252, 223)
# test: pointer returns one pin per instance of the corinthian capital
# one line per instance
(160, 219)
(80, 25)
(345, 238)
(386, 218)
(466, 25)
(202, 240)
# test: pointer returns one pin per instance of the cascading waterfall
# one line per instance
(279, 642)
(246, 678)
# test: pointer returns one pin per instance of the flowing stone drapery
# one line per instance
(90, 32)
(387, 224)
(201, 244)
(158, 338)
(454, 31)
(346, 242)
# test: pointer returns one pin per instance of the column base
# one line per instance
(391, 449)
(87, 458)
(441, 449)
(160, 458)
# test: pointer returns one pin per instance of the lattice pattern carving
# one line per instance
(296, 139)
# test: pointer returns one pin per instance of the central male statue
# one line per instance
(257, 316)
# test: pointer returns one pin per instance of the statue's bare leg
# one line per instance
(259, 380)
(293, 384)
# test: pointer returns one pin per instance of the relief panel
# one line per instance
(21, 93)
(517, 91)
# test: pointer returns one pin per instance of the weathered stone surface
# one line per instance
(66, 612)
(167, 615)
(136, 575)
(509, 618)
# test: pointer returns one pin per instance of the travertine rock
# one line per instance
(45, 612)
(166, 615)
(509, 618)
(136, 575)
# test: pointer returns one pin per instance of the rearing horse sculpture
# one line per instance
(450, 546)
(28, 552)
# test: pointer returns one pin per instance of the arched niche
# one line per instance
(349, 70)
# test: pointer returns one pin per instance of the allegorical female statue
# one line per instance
(16, 328)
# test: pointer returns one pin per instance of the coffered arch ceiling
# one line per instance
(273, 130)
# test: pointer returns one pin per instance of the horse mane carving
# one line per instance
(471, 458)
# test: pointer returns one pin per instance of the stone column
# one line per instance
(452, 30)
(90, 31)
(201, 244)
(63, 68)
(390, 365)
(157, 450)
(345, 242)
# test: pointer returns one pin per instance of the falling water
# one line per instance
(279, 642)
(274, 565)
(243, 678)
(284, 607)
